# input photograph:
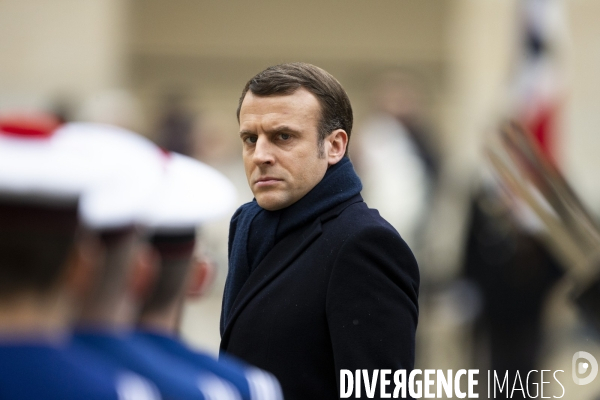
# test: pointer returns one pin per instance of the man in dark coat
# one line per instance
(318, 282)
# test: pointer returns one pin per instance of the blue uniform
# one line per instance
(251, 382)
(174, 379)
(39, 370)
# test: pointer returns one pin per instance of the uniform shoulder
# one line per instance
(259, 384)
(238, 377)
(58, 375)
(126, 383)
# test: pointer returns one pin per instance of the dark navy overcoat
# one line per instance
(339, 293)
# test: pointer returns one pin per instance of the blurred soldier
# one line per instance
(515, 273)
(175, 128)
(109, 312)
(193, 194)
(45, 268)
(127, 271)
(396, 158)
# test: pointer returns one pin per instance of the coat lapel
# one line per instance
(283, 254)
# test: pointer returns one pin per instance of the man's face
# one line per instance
(281, 157)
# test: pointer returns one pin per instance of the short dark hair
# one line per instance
(35, 242)
(118, 244)
(176, 251)
(285, 79)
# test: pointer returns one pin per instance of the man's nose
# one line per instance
(263, 152)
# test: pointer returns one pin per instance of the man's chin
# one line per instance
(271, 203)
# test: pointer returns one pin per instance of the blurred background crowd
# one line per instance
(429, 80)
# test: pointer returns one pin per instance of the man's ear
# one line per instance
(203, 274)
(83, 264)
(336, 144)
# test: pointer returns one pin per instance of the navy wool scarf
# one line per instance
(254, 231)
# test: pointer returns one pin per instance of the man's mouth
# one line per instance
(266, 181)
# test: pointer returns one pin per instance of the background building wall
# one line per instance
(60, 48)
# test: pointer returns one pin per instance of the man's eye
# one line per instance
(284, 136)
(250, 139)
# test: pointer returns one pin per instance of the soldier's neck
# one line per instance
(167, 320)
(32, 317)
(117, 317)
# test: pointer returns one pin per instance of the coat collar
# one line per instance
(282, 255)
